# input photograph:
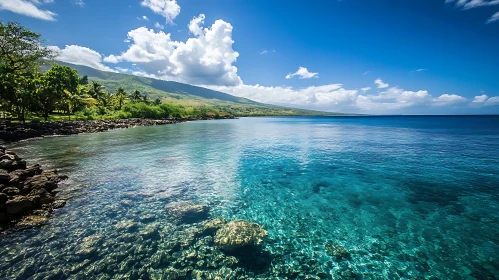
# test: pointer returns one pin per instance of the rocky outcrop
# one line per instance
(187, 212)
(27, 194)
(239, 233)
(17, 131)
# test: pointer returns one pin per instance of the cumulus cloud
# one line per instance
(81, 56)
(335, 97)
(365, 89)
(448, 99)
(169, 9)
(484, 100)
(380, 83)
(205, 59)
(303, 73)
(28, 8)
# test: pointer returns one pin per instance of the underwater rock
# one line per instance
(239, 233)
(147, 218)
(32, 221)
(337, 251)
(89, 245)
(150, 230)
(58, 204)
(126, 225)
(210, 227)
(188, 212)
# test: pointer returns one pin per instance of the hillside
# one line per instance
(179, 93)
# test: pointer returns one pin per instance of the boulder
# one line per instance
(11, 191)
(239, 233)
(210, 227)
(188, 212)
(19, 204)
(3, 199)
(32, 221)
(40, 197)
(17, 176)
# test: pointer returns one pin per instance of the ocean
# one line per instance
(383, 197)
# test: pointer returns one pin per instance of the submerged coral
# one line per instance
(239, 233)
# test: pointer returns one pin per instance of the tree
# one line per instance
(21, 53)
(136, 96)
(120, 96)
(144, 99)
(83, 80)
(157, 101)
(57, 81)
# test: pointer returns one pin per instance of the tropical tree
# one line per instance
(136, 96)
(57, 80)
(157, 101)
(21, 53)
(120, 97)
(83, 80)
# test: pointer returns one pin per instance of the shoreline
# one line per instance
(14, 132)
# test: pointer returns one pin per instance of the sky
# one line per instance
(350, 56)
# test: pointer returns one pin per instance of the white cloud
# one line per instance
(336, 98)
(264, 52)
(27, 8)
(367, 72)
(480, 98)
(470, 4)
(205, 59)
(303, 73)
(380, 83)
(169, 9)
(145, 18)
(484, 100)
(79, 3)
(493, 18)
(159, 26)
(448, 99)
(420, 70)
(364, 89)
(81, 56)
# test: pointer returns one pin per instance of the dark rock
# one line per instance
(40, 196)
(19, 204)
(210, 227)
(11, 191)
(3, 199)
(58, 204)
(337, 251)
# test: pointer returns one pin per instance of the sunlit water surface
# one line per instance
(406, 197)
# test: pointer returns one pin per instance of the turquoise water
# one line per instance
(406, 197)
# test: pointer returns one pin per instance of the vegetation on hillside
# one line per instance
(32, 86)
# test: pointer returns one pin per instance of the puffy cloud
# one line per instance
(169, 9)
(205, 59)
(480, 98)
(365, 89)
(81, 56)
(303, 73)
(27, 8)
(484, 100)
(448, 99)
(380, 83)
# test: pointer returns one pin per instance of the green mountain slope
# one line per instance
(180, 93)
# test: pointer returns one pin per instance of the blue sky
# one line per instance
(362, 56)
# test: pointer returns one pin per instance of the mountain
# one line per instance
(180, 93)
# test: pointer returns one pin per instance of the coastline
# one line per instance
(13, 132)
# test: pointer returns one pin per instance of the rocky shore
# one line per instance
(27, 194)
(10, 132)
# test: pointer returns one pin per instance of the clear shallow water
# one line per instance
(407, 197)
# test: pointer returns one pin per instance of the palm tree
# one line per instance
(136, 96)
(144, 99)
(120, 96)
(72, 101)
(97, 90)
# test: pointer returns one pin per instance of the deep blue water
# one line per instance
(407, 197)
